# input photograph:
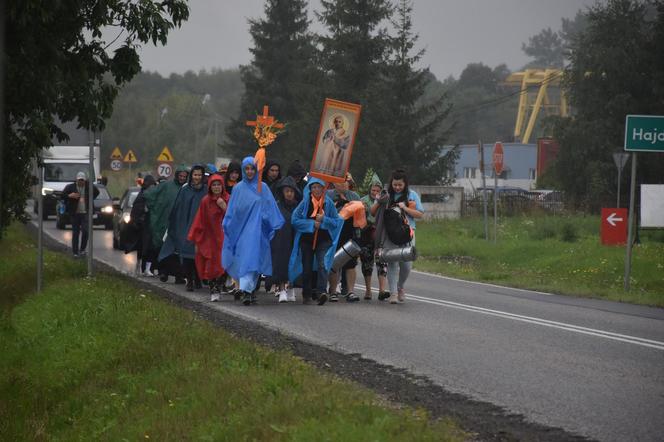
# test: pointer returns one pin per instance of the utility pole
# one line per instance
(484, 199)
(91, 198)
(630, 225)
(40, 213)
(495, 207)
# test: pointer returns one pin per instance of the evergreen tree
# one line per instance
(546, 49)
(615, 70)
(354, 55)
(282, 75)
(416, 132)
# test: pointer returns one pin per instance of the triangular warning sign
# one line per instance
(165, 155)
(130, 157)
(116, 154)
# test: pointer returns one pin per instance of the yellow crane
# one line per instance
(534, 96)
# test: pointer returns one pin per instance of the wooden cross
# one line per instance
(265, 120)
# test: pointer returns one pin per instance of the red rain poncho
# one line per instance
(206, 232)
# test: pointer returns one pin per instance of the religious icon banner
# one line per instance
(334, 143)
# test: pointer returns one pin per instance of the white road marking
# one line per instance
(482, 283)
(658, 345)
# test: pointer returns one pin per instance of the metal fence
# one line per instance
(513, 202)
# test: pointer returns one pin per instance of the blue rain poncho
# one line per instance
(251, 220)
(180, 219)
(303, 224)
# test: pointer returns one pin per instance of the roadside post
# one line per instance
(91, 200)
(130, 158)
(498, 157)
(40, 237)
(480, 146)
(620, 159)
(165, 163)
(643, 133)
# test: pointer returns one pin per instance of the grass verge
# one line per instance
(99, 359)
(555, 254)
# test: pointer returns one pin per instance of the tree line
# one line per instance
(61, 69)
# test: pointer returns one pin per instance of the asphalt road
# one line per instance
(593, 368)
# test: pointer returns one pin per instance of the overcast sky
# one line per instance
(454, 33)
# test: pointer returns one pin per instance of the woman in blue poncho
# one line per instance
(251, 219)
(317, 226)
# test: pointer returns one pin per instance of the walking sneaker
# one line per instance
(246, 298)
(283, 296)
(214, 297)
(290, 295)
(322, 298)
(237, 294)
(352, 297)
(148, 273)
(334, 297)
(393, 298)
(190, 285)
(382, 296)
(82, 253)
(401, 296)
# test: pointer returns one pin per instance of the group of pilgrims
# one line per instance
(232, 231)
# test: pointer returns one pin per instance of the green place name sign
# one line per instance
(644, 133)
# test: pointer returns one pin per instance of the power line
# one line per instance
(498, 100)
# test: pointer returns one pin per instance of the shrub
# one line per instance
(544, 228)
(569, 232)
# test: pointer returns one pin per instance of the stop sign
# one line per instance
(498, 157)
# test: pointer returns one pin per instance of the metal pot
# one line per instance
(401, 254)
(345, 253)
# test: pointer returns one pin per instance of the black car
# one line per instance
(102, 214)
(122, 213)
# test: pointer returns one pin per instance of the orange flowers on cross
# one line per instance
(266, 129)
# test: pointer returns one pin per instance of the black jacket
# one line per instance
(72, 203)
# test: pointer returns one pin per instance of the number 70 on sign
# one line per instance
(165, 170)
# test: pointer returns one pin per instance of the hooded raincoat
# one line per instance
(302, 224)
(296, 170)
(250, 222)
(272, 183)
(207, 234)
(159, 200)
(180, 219)
(233, 166)
(368, 201)
(282, 243)
(139, 233)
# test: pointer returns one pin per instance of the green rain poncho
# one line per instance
(159, 200)
(368, 201)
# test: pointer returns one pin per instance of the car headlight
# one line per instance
(46, 191)
(126, 218)
(107, 209)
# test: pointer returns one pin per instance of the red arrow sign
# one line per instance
(498, 157)
(614, 226)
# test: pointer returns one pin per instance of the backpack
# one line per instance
(396, 226)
